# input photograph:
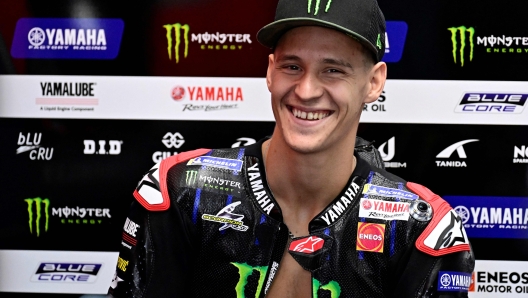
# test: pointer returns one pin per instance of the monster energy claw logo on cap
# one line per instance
(318, 4)
(38, 212)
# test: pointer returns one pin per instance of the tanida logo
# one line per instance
(447, 152)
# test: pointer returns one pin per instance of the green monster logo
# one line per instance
(317, 5)
(38, 212)
(378, 42)
(462, 30)
(245, 271)
(190, 177)
(177, 36)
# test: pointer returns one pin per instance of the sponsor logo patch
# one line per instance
(307, 245)
(449, 281)
(370, 237)
(377, 190)
(386, 210)
(66, 272)
(216, 162)
(67, 38)
(228, 218)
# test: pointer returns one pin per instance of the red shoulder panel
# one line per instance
(152, 192)
(445, 232)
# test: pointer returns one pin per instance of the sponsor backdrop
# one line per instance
(93, 93)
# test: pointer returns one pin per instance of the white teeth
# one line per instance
(309, 115)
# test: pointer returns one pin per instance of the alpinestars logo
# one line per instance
(228, 218)
(447, 152)
(387, 151)
(317, 6)
(170, 140)
(36, 216)
(307, 245)
(32, 144)
(217, 40)
(449, 232)
(520, 155)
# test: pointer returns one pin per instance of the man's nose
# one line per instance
(309, 87)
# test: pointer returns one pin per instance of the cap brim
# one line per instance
(271, 33)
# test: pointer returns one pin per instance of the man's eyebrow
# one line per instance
(337, 62)
(289, 58)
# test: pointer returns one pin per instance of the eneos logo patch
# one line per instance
(370, 237)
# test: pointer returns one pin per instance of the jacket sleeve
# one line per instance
(441, 261)
(158, 242)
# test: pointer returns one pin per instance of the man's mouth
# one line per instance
(314, 115)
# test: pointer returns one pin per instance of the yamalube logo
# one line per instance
(208, 98)
(495, 103)
(77, 38)
(100, 147)
(179, 37)
(30, 142)
(449, 151)
(66, 272)
(520, 154)
(170, 140)
(67, 96)
(387, 151)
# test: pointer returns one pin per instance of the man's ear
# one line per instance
(271, 62)
(378, 76)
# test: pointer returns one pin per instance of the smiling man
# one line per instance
(308, 212)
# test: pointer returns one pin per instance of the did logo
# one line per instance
(30, 142)
(170, 140)
(114, 147)
(448, 152)
(177, 36)
(387, 151)
(464, 42)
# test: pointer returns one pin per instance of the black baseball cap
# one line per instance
(359, 19)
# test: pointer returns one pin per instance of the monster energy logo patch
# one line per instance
(462, 30)
(177, 36)
(332, 287)
(317, 5)
(190, 177)
(39, 211)
(245, 271)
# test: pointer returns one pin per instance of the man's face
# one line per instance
(319, 80)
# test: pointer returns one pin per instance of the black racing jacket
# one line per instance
(205, 224)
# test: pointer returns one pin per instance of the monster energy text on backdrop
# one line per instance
(178, 42)
(39, 215)
(468, 43)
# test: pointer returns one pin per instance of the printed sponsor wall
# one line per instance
(93, 93)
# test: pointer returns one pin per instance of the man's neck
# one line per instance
(306, 183)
